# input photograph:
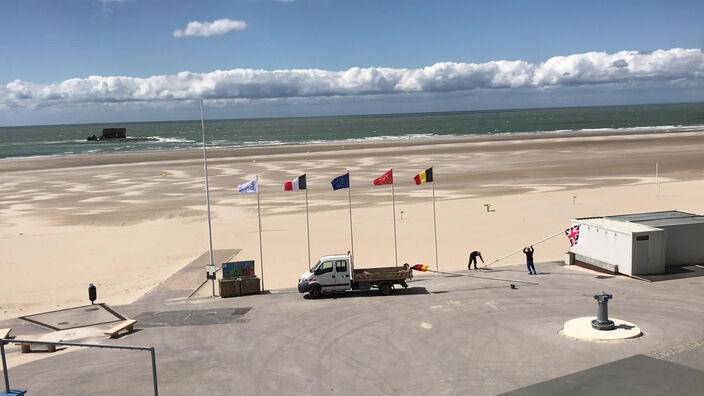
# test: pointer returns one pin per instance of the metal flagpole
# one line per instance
(207, 194)
(307, 228)
(261, 256)
(393, 206)
(435, 228)
(349, 194)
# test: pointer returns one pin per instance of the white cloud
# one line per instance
(205, 29)
(673, 67)
(600, 67)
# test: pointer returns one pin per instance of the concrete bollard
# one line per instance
(602, 321)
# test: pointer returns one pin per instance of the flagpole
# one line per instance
(261, 256)
(307, 228)
(435, 228)
(393, 206)
(349, 194)
(207, 194)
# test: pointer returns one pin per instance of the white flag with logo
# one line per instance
(251, 187)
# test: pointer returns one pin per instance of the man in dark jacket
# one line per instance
(529, 260)
(473, 259)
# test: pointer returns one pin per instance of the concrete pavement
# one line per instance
(446, 334)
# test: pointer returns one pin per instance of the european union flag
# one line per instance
(341, 182)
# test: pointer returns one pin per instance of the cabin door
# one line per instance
(342, 275)
(325, 274)
(642, 261)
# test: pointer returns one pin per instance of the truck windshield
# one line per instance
(315, 267)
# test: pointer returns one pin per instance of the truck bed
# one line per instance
(381, 273)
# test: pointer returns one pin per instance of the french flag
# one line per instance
(298, 183)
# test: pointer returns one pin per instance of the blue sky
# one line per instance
(76, 61)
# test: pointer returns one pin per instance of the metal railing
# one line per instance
(4, 341)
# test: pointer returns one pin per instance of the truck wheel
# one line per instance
(314, 292)
(385, 289)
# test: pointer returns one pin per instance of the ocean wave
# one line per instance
(172, 139)
(377, 138)
(265, 143)
(661, 128)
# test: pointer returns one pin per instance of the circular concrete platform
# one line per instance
(581, 329)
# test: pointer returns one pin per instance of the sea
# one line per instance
(69, 140)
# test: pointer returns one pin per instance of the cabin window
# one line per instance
(325, 267)
(642, 238)
(341, 266)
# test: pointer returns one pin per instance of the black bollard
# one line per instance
(602, 321)
(92, 293)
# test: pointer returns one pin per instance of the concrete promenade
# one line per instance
(451, 335)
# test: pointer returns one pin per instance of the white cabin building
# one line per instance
(640, 244)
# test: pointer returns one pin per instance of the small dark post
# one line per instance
(92, 293)
(4, 368)
(602, 321)
(156, 384)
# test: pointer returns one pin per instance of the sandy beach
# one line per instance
(127, 222)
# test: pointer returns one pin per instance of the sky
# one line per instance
(93, 61)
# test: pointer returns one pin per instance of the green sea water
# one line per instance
(60, 140)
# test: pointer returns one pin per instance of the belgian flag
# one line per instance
(424, 177)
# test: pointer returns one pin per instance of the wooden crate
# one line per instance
(239, 286)
(250, 285)
(230, 288)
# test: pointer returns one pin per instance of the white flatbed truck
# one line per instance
(336, 273)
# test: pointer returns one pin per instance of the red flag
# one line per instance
(420, 267)
(386, 178)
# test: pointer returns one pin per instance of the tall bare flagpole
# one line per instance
(393, 206)
(349, 194)
(207, 195)
(435, 227)
(307, 228)
(261, 256)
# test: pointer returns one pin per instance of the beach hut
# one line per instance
(641, 243)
